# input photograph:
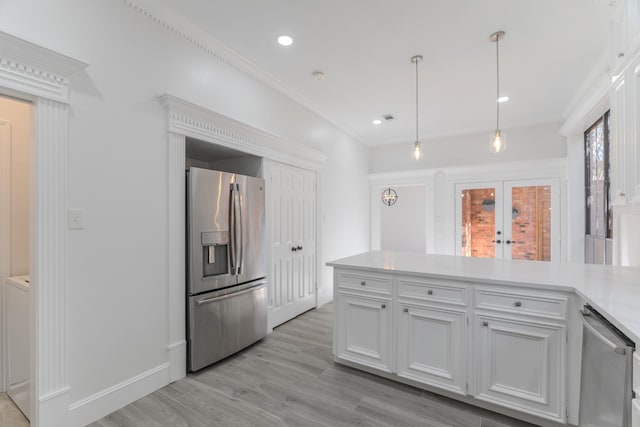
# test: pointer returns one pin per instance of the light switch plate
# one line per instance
(75, 219)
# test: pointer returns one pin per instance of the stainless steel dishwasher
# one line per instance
(606, 380)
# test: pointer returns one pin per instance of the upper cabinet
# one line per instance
(625, 102)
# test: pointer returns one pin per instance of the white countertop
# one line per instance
(613, 291)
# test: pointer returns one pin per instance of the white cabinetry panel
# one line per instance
(291, 218)
(431, 346)
(364, 335)
(519, 364)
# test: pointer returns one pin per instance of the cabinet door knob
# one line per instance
(429, 292)
(299, 248)
(496, 241)
(384, 306)
(294, 249)
(517, 304)
(406, 310)
(485, 323)
(363, 283)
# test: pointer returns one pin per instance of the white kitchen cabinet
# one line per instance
(365, 333)
(519, 364)
(431, 346)
(291, 218)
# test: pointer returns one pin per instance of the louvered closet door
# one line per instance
(291, 201)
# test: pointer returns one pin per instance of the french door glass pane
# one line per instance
(531, 223)
(478, 222)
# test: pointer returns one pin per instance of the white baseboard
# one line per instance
(103, 403)
(177, 360)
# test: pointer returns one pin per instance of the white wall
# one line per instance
(526, 143)
(19, 116)
(118, 306)
(403, 225)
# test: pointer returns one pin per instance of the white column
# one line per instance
(177, 191)
(49, 263)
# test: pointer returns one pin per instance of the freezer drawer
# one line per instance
(220, 325)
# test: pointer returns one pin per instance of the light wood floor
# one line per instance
(290, 379)
(10, 415)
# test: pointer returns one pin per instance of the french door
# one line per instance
(509, 219)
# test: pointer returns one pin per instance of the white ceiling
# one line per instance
(365, 46)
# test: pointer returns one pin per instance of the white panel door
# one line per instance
(520, 365)
(365, 333)
(431, 346)
(291, 218)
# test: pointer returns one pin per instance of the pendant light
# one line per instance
(498, 143)
(417, 151)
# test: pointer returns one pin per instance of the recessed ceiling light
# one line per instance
(377, 122)
(285, 40)
(503, 99)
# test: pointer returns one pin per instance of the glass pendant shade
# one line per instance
(498, 143)
(417, 152)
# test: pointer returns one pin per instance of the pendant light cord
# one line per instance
(497, 83)
(417, 139)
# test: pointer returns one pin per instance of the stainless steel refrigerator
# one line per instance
(226, 271)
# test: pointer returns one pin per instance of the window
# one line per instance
(598, 221)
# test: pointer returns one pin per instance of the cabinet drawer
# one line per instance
(365, 282)
(523, 301)
(432, 290)
(636, 373)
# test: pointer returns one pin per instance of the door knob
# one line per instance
(485, 323)
(299, 248)
(508, 242)
(294, 249)
(406, 310)
(384, 306)
(496, 241)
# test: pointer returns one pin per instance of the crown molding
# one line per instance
(204, 41)
(35, 70)
(197, 122)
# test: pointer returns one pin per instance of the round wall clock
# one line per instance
(389, 196)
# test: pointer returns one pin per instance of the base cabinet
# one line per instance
(431, 346)
(519, 364)
(364, 335)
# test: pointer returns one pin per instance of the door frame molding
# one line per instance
(185, 119)
(41, 76)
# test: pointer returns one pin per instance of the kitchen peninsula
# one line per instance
(504, 335)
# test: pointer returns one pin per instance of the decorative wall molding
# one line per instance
(42, 76)
(5, 232)
(113, 398)
(176, 268)
(211, 46)
(29, 68)
(194, 121)
(49, 260)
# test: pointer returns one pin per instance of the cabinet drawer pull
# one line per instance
(517, 304)
(429, 292)
(485, 323)
(406, 310)
(363, 283)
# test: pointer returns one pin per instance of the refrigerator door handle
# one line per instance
(232, 228)
(239, 235)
